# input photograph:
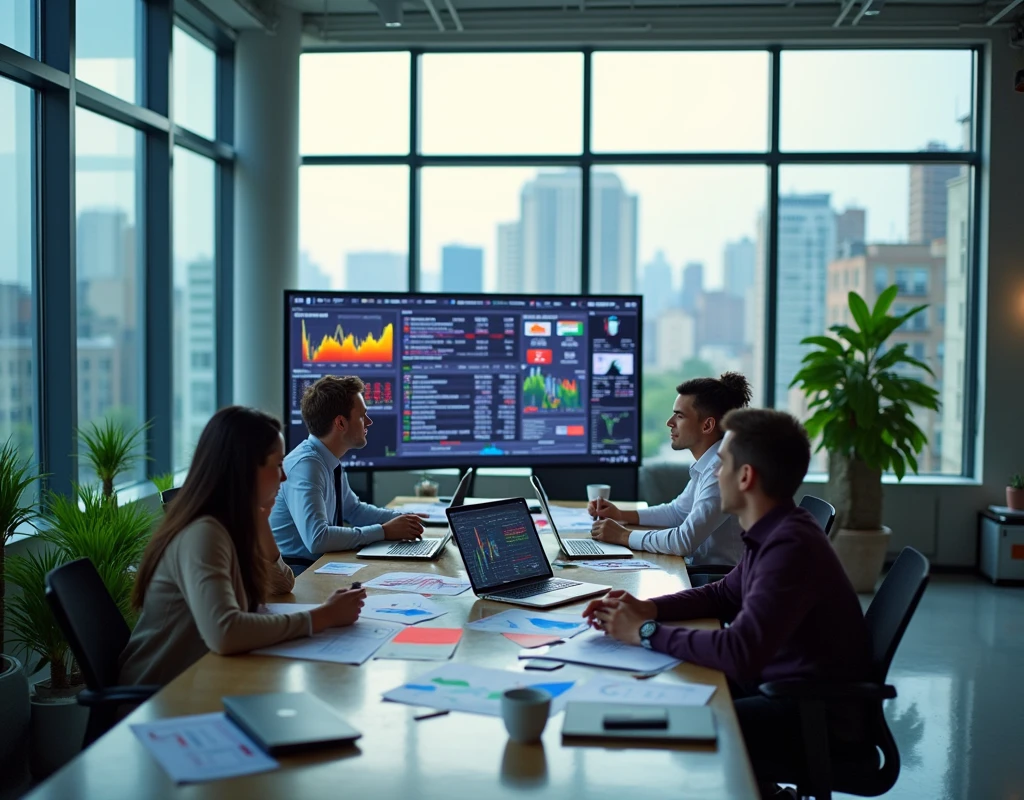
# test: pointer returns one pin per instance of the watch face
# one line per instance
(647, 629)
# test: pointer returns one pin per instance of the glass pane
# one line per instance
(110, 281)
(195, 338)
(684, 238)
(876, 100)
(106, 44)
(526, 103)
(17, 25)
(710, 102)
(524, 222)
(17, 261)
(195, 85)
(354, 104)
(354, 228)
(856, 228)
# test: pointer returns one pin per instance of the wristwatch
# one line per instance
(646, 632)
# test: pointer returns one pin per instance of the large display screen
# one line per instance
(474, 380)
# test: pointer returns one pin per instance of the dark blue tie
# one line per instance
(337, 495)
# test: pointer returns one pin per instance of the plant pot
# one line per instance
(1015, 498)
(862, 554)
(15, 713)
(58, 730)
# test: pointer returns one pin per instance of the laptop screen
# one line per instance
(498, 543)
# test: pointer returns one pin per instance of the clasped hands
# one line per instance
(620, 615)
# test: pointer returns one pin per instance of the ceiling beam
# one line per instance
(865, 7)
(1004, 12)
(454, 15)
(847, 7)
(434, 15)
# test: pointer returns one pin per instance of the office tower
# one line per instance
(740, 261)
(851, 227)
(677, 333)
(311, 276)
(919, 272)
(510, 257)
(693, 285)
(928, 198)
(807, 242)
(952, 357)
(199, 391)
(462, 268)
(657, 290)
(612, 235)
(376, 271)
(719, 321)
(101, 244)
(550, 233)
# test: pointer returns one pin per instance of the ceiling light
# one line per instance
(390, 11)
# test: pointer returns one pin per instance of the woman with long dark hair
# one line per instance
(213, 560)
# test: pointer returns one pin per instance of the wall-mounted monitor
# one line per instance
(475, 380)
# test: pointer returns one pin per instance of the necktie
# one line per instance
(337, 495)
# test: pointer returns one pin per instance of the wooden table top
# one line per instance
(450, 757)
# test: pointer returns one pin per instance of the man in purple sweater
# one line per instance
(794, 612)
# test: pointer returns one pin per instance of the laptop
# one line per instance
(577, 549)
(288, 722)
(427, 548)
(505, 559)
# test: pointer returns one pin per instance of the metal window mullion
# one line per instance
(585, 175)
(771, 223)
(224, 241)
(414, 172)
(968, 461)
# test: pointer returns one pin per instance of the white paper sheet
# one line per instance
(477, 690)
(616, 564)
(351, 645)
(204, 747)
(339, 568)
(598, 650)
(568, 520)
(522, 621)
(643, 693)
(408, 609)
(433, 511)
(418, 583)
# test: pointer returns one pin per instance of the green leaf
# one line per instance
(861, 313)
(882, 305)
(825, 342)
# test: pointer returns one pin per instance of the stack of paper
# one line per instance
(351, 645)
(598, 650)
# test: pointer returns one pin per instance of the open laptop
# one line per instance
(505, 559)
(577, 549)
(429, 547)
(287, 722)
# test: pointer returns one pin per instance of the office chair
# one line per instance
(856, 769)
(824, 513)
(168, 495)
(97, 634)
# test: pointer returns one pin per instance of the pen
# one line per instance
(429, 714)
(357, 585)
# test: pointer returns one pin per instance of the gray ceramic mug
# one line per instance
(525, 712)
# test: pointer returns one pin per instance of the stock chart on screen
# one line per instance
(452, 380)
(499, 545)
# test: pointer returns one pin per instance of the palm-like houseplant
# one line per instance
(111, 450)
(862, 402)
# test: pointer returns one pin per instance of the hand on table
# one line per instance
(620, 615)
(407, 526)
(610, 531)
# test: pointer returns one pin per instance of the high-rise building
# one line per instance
(510, 257)
(918, 270)
(952, 355)
(656, 287)
(550, 233)
(678, 337)
(740, 260)
(851, 232)
(311, 277)
(199, 377)
(101, 244)
(376, 271)
(720, 321)
(693, 285)
(807, 243)
(612, 235)
(928, 198)
(462, 268)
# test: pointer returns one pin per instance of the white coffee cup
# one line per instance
(525, 713)
(598, 491)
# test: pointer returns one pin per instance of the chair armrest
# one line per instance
(797, 689)
(710, 569)
(116, 695)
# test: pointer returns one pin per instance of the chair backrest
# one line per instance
(167, 495)
(90, 620)
(889, 613)
(824, 512)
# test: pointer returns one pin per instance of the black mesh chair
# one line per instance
(856, 768)
(824, 513)
(97, 634)
(167, 495)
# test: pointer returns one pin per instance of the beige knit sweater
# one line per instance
(196, 603)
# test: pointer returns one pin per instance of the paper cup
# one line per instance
(598, 490)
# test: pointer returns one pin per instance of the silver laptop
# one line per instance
(427, 548)
(505, 559)
(287, 722)
(577, 549)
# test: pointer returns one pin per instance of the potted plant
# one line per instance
(16, 478)
(862, 403)
(110, 450)
(1015, 492)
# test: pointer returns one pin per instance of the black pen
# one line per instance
(357, 585)
(428, 714)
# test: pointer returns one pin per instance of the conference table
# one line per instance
(455, 756)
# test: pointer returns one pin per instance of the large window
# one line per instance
(665, 193)
(195, 342)
(195, 73)
(106, 45)
(109, 274)
(17, 25)
(18, 407)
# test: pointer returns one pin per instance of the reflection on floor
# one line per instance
(959, 716)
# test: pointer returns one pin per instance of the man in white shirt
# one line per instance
(316, 511)
(693, 525)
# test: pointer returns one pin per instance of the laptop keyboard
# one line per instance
(420, 548)
(550, 585)
(583, 547)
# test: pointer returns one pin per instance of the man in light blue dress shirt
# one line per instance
(693, 525)
(316, 511)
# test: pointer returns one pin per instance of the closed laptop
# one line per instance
(288, 722)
